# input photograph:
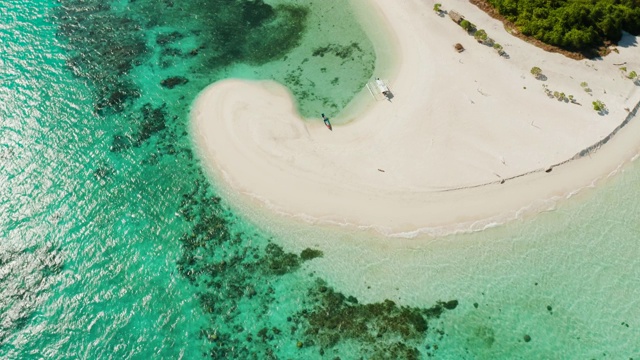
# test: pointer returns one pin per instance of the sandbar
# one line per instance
(469, 139)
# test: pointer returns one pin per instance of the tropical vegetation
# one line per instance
(576, 25)
(599, 106)
(537, 72)
(468, 26)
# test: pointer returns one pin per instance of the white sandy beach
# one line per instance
(436, 156)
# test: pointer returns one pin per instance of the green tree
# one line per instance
(599, 106)
(465, 24)
(575, 39)
(436, 8)
(572, 24)
(480, 35)
(536, 71)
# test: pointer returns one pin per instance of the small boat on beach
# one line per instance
(378, 86)
(327, 122)
(384, 89)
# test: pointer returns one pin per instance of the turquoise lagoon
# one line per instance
(115, 245)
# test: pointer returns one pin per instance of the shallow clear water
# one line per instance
(115, 245)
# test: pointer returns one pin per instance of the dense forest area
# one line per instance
(575, 25)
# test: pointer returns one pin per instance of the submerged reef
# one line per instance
(308, 254)
(234, 271)
(341, 51)
(256, 299)
(232, 31)
(384, 329)
(174, 81)
(90, 25)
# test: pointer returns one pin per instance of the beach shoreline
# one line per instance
(447, 154)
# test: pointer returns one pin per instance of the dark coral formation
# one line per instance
(236, 272)
(152, 121)
(260, 33)
(309, 254)
(168, 38)
(342, 51)
(174, 81)
(237, 31)
(297, 77)
(112, 54)
(278, 262)
(230, 272)
(115, 97)
(384, 329)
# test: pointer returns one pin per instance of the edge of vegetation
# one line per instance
(513, 29)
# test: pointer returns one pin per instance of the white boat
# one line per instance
(384, 89)
(382, 86)
(378, 86)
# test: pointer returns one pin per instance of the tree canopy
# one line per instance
(575, 25)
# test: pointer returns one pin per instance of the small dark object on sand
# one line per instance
(326, 122)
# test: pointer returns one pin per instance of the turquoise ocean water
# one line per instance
(113, 243)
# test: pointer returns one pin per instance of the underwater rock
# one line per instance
(397, 350)
(102, 172)
(278, 262)
(263, 334)
(170, 52)
(342, 51)
(166, 38)
(114, 97)
(174, 81)
(120, 143)
(450, 305)
(153, 120)
(309, 254)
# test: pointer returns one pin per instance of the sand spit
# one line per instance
(450, 150)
